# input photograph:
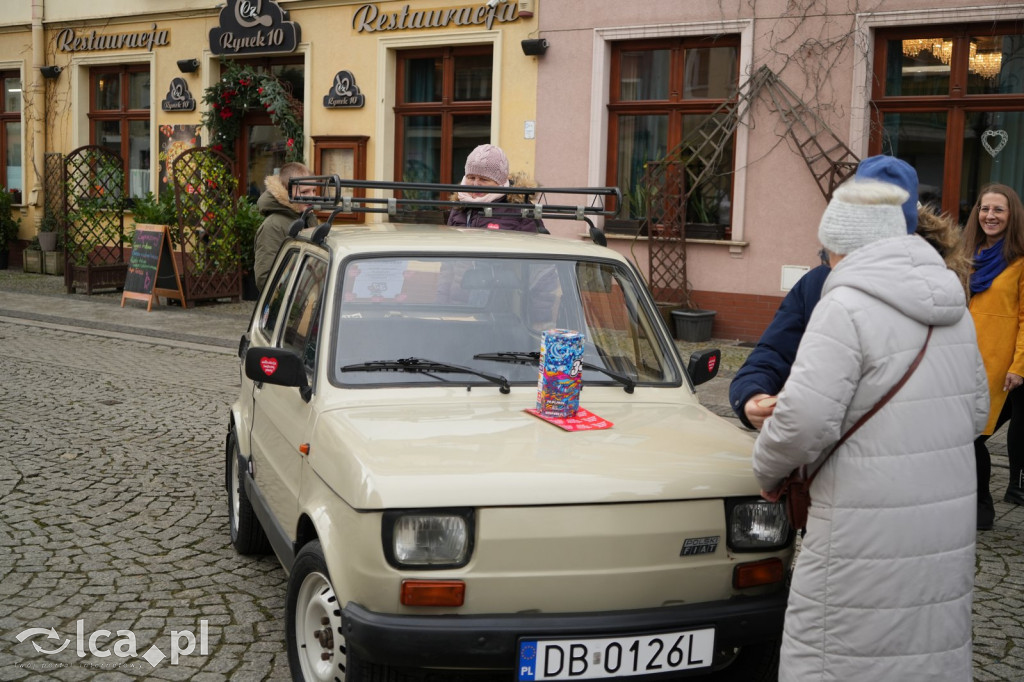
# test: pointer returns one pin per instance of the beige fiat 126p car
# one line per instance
(431, 526)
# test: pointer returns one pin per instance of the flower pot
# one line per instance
(693, 325)
(48, 241)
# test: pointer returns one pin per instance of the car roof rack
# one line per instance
(413, 196)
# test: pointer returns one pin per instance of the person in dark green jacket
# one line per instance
(279, 213)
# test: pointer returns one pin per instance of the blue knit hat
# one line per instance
(897, 172)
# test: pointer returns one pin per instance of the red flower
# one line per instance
(291, 142)
(226, 114)
(218, 147)
(259, 90)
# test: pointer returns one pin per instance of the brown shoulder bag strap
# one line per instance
(881, 403)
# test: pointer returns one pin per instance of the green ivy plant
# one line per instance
(150, 210)
(8, 223)
(241, 89)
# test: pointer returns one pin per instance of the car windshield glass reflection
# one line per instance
(462, 311)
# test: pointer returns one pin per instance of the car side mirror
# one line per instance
(703, 365)
(279, 367)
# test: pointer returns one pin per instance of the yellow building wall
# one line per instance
(330, 42)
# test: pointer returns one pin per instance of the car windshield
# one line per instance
(459, 311)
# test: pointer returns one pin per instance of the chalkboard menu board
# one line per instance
(152, 270)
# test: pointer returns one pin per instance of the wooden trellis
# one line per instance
(93, 219)
(207, 243)
(53, 184)
(694, 170)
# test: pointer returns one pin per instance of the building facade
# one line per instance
(404, 90)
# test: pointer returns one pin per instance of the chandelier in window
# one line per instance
(985, 64)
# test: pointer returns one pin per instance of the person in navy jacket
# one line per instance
(767, 367)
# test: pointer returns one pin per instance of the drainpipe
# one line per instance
(38, 102)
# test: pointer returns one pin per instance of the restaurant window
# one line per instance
(442, 111)
(10, 133)
(119, 119)
(661, 91)
(949, 100)
(261, 147)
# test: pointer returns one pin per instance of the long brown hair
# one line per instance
(942, 232)
(1013, 238)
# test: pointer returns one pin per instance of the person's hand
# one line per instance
(1012, 381)
(772, 495)
(759, 408)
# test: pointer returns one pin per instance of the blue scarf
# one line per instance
(988, 263)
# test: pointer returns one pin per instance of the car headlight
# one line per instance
(428, 539)
(757, 525)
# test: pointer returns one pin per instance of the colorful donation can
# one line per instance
(561, 375)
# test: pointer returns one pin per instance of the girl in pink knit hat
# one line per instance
(487, 166)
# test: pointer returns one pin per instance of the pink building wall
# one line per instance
(823, 53)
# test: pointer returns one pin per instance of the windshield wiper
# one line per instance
(533, 358)
(424, 366)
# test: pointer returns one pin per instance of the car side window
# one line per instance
(302, 327)
(270, 316)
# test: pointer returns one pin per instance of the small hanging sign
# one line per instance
(178, 97)
(344, 93)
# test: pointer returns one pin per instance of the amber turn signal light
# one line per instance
(433, 592)
(757, 573)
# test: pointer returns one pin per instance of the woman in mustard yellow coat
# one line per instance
(994, 238)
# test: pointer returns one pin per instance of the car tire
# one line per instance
(247, 535)
(313, 627)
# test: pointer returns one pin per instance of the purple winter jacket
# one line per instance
(507, 218)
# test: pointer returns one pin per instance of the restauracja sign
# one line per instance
(370, 19)
(69, 41)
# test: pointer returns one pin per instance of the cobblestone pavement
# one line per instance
(113, 513)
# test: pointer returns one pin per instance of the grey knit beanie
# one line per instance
(861, 212)
(489, 162)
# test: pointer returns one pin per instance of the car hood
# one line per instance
(491, 454)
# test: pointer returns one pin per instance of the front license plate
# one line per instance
(600, 658)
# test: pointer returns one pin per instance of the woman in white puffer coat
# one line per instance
(883, 584)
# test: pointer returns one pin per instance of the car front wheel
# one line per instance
(316, 646)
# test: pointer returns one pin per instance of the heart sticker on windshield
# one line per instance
(269, 365)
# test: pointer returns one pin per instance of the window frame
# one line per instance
(124, 115)
(675, 107)
(10, 117)
(956, 103)
(448, 109)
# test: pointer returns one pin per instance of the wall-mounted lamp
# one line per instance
(535, 47)
(188, 65)
(50, 71)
